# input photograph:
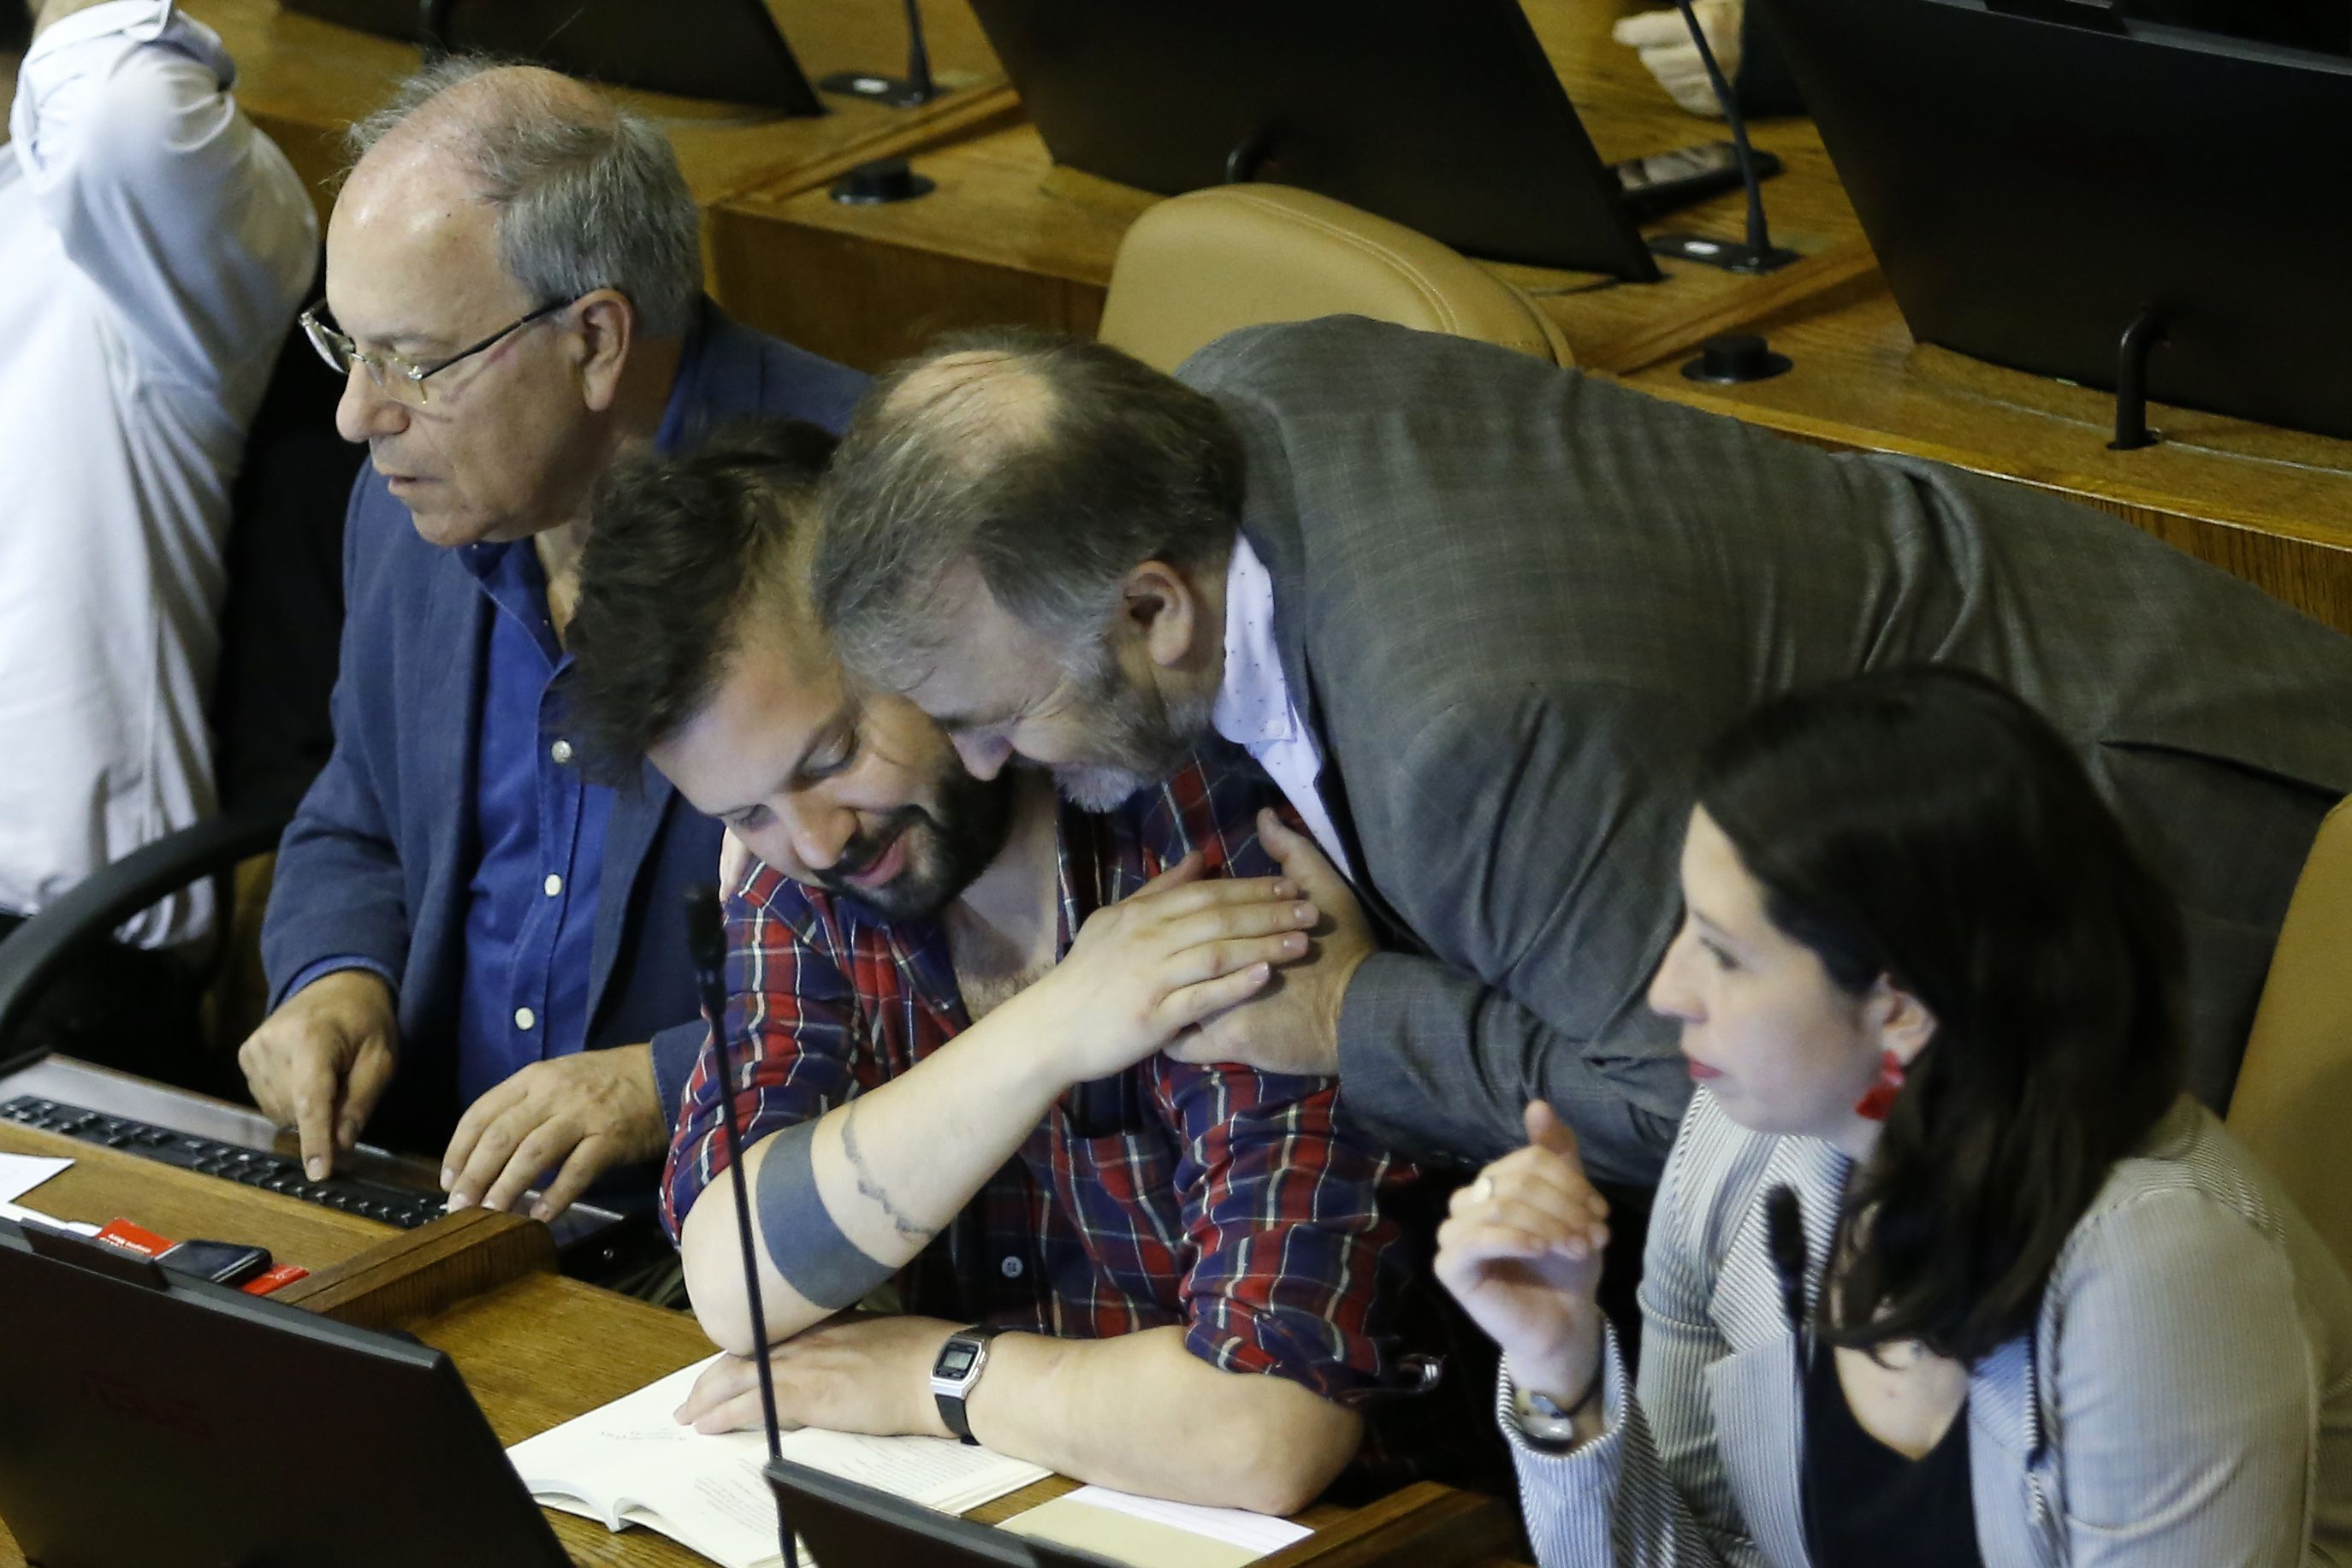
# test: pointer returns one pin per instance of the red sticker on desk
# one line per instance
(134, 1238)
(147, 1244)
(276, 1277)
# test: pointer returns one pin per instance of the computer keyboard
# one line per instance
(403, 1206)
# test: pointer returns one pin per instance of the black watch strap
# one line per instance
(951, 1404)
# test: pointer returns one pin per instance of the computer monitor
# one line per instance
(2033, 187)
(845, 1525)
(147, 1418)
(725, 50)
(1446, 117)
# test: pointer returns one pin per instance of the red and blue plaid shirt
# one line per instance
(1220, 1198)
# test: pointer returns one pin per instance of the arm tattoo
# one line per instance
(808, 1249)
(869, 1185)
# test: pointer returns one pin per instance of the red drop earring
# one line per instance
(1874, 1105)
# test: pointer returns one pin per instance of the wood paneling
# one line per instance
(108, 1184)
(304, 81)
(538, 1349)
(2270, 506)
(1008, 237)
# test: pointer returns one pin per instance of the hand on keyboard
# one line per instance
(587, 1112)
(322, 1059)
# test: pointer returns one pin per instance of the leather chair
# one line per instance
(1199, 265)
(2294, 1087)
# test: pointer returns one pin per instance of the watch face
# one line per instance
(956, 1359)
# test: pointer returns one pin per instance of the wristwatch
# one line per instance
(956, 1373)
(1545, 1423)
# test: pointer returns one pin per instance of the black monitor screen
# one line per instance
(149, 1418)
(1444, 117)
(2032, 188)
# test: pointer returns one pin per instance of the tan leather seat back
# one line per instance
(1199, 265)
(2293, 1104)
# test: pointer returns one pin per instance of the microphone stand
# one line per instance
(910, 92)
(1758, 255)
(706, 937)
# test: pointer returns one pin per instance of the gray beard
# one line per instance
(1099, 787)
(1141, 741)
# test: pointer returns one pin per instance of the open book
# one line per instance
(629, 1463)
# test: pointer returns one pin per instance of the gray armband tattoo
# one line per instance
(807, 1247)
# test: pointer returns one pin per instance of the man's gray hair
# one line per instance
(1052, 467)
(583, 203)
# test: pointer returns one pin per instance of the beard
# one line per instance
(947, 848)
(1138, 737)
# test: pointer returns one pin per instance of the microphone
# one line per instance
(706, 946)
(1784, 1234)
(1759, 254)
(910, 92)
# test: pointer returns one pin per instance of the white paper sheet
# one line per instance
(708, 1490)
(20, 1174)
(1233, 1526)
(10, 1211)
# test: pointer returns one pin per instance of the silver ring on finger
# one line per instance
(1483, 1190)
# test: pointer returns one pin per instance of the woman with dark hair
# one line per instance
(1945, 1270)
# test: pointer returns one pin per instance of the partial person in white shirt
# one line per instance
(153, 248)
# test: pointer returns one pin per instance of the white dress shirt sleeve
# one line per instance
(171, 203)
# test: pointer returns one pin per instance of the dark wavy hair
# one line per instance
(1925, 824)
(681, 551)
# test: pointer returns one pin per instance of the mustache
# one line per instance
(859, 856)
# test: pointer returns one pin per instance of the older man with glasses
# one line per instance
(467, 944)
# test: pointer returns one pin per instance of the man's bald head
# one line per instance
(583, 195)
(978, 402)
(1046, 467)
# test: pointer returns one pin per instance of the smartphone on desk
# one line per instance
(222, 1262)
(1665, 181)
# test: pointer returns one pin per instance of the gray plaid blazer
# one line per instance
(2184, 1401)
(1513, 603)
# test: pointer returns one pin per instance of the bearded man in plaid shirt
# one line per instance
(948, 1000)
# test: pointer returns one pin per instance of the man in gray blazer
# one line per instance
(1476, 615)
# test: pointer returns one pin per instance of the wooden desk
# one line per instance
(538, 1349)
(1007, 237)
(304, 81)
(2270, 506)
(107, 1184)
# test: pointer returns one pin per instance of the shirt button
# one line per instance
(554, 884)
(562, 752)
(1010, 1268)
(525, 1018)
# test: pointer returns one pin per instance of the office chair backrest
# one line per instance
(2297, 1080)
(281, 630)
(1199, 265)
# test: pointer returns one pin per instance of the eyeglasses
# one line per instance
(397, 375)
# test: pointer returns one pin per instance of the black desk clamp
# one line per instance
(2141, 339)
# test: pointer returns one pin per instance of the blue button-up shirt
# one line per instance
(530, 913)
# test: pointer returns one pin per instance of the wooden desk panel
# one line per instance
(108, 1184)
(538, 1349)
(542, 1349)
(304, 80)
(1007, 237)
(2270, 506)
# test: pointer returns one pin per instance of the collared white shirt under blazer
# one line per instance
(1254, 708)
